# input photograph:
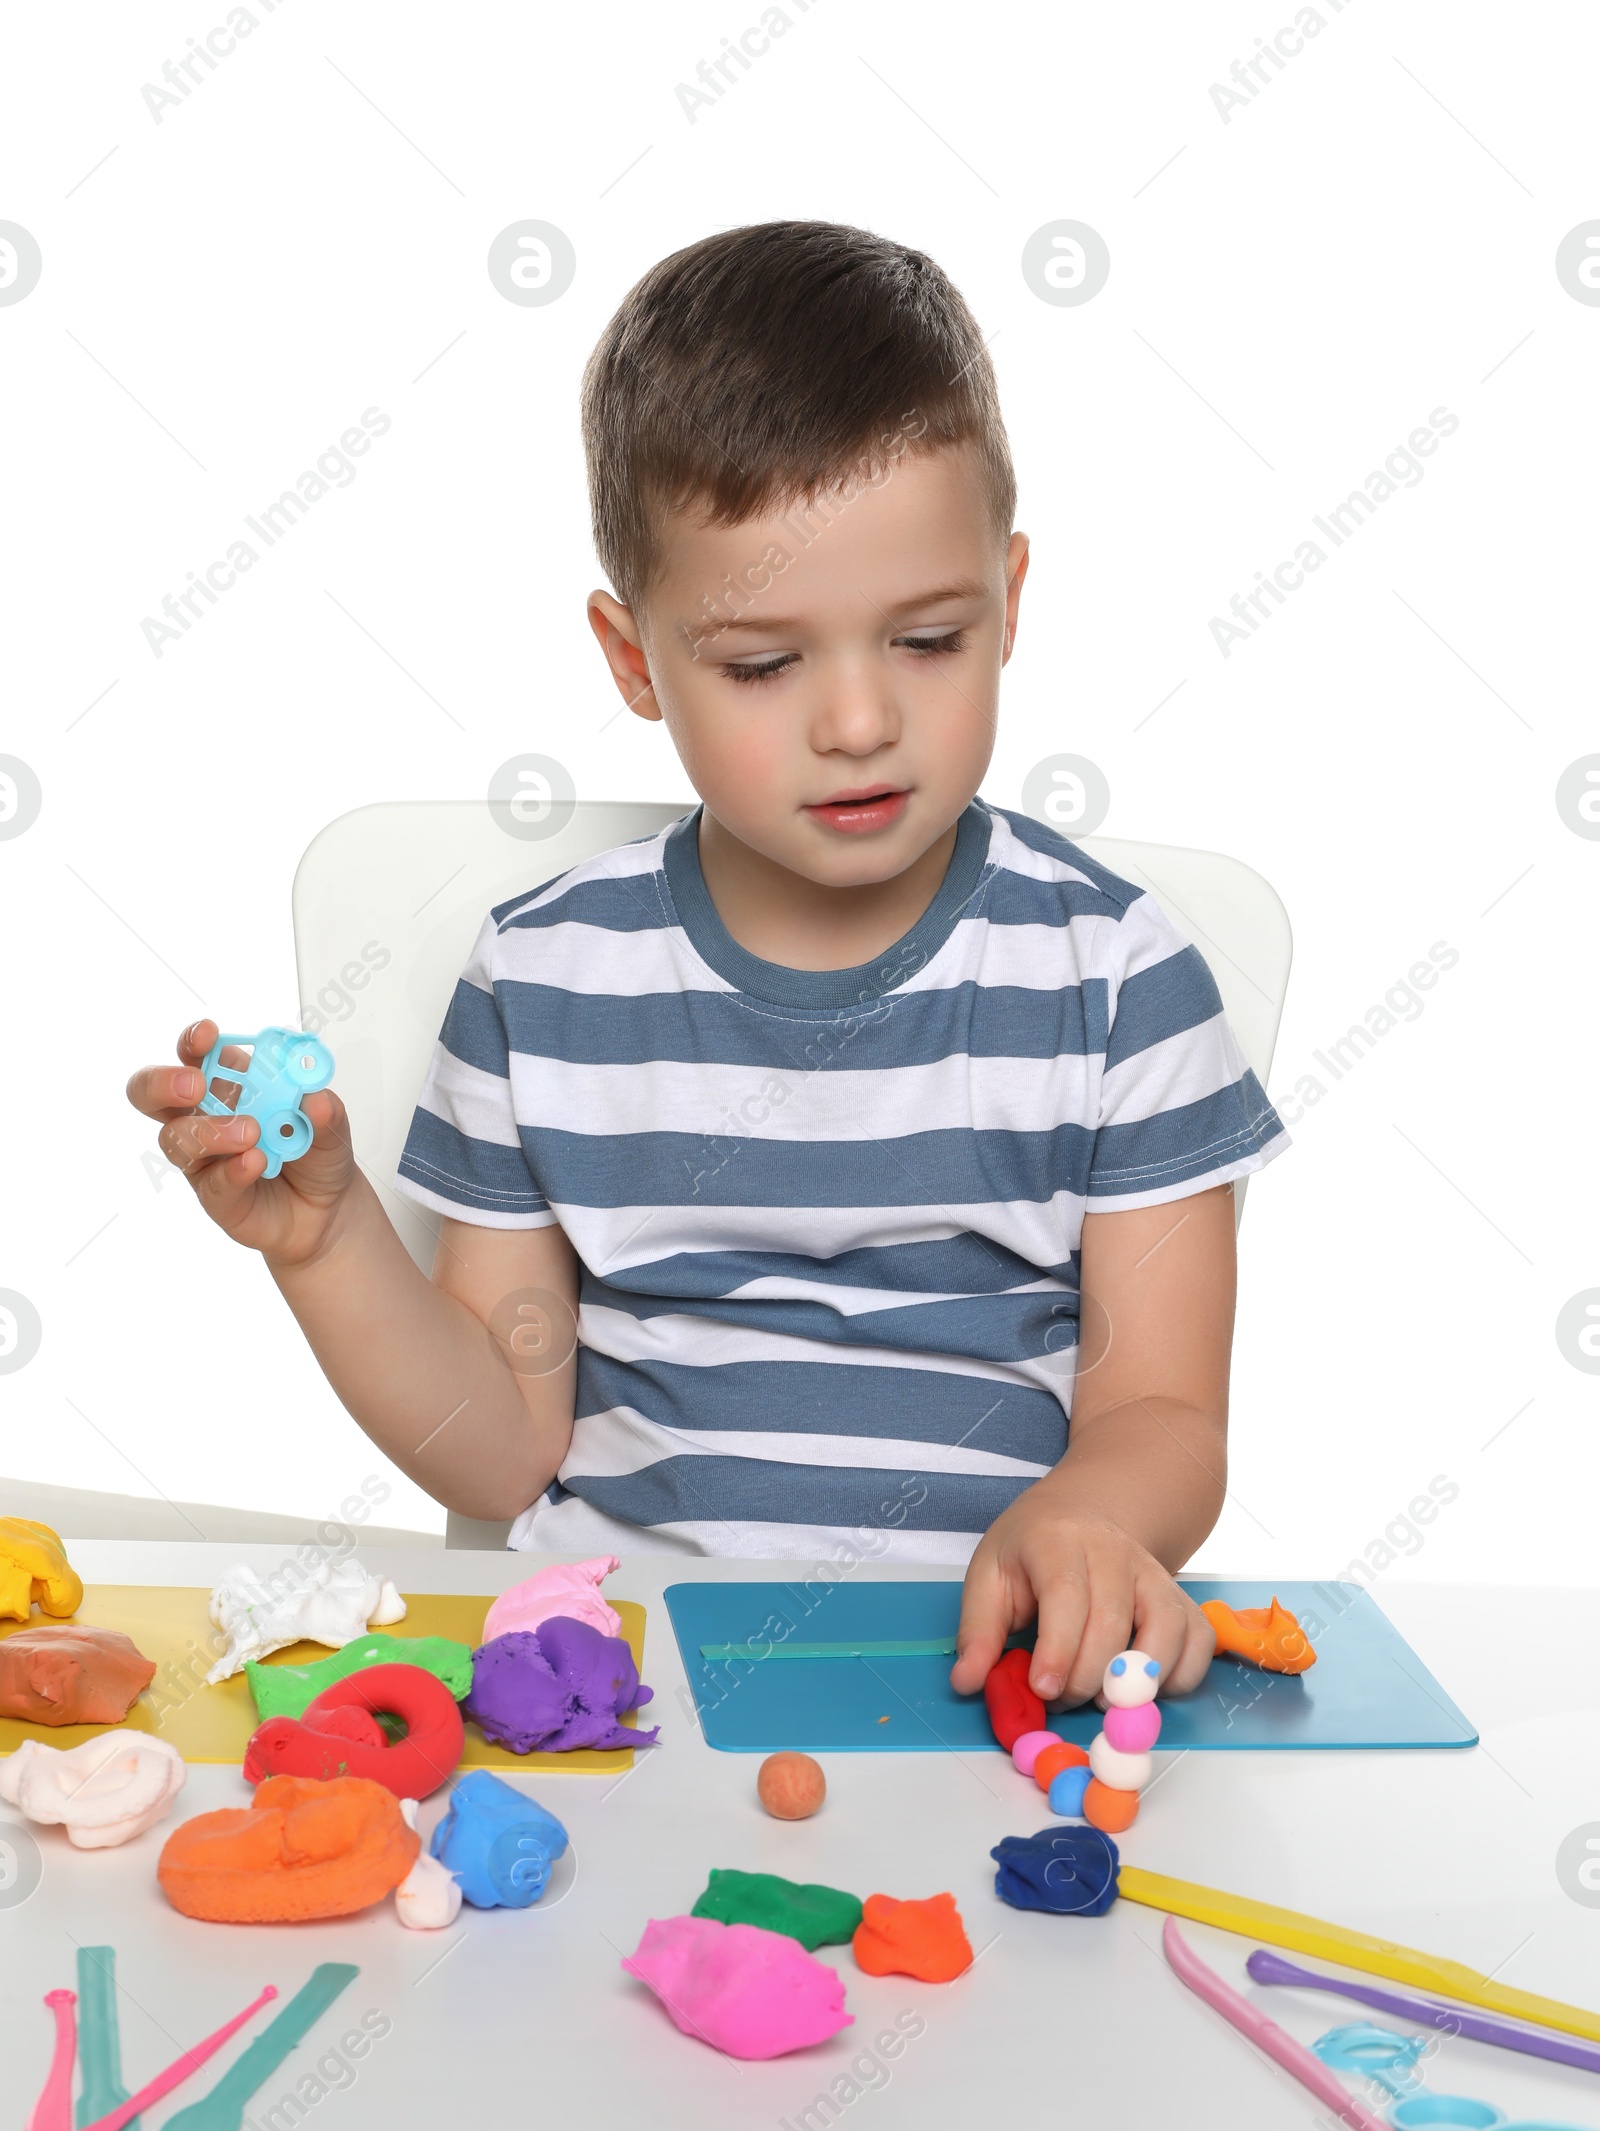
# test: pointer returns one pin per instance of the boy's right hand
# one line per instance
(289, 1219)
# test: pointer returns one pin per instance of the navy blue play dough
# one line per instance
(1069, 1871)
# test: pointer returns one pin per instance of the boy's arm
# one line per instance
(465, 1381)
(1093, 1546)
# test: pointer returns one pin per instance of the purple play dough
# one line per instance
(559, 1686)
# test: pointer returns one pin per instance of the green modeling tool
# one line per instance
(99, 2047)
(223, 2108)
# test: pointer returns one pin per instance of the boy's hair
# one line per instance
(763, 366)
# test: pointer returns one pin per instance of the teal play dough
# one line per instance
(286, 1690)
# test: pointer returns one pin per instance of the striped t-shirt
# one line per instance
(827, 1221)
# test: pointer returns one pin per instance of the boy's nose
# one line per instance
(857, 715)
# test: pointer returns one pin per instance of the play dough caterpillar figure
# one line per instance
(1119, 1754)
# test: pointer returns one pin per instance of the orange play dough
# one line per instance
(1108, 1810)
(1054, 1759)
(66, 1672)
(1268, 1636)
(305, 1848)
(923, 1939)
(791, 1786)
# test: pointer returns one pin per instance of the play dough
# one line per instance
(499, 1844)
(68, 1673)
(923, 1939)
(284, 1690)
(34, 1570)
(1268, 1636)
(340, 1735)
(332, 1603)
(791, 1786)
(560, 1687)
(1069, 1871)
(429, 1897)
(1026, 1750)
(1013, 1706)
(303, 1849)
(748, 1992)
(570, 1588)
(1058, 1755)
(103, 1792)
(816, 1916)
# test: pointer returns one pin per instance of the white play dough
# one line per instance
(103, 1792)
(1119, 1771)
(1131, 1678)
(429, 1897)
(332, 1603)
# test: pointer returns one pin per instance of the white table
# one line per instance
(527, 2012)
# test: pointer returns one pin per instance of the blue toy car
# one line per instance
(284, 1065)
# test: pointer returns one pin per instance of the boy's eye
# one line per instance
(762, 670)
(924, 646)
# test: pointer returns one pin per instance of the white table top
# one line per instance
(1450, 1851)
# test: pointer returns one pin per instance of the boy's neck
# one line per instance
(783, 917)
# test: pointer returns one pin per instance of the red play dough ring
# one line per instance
(331, 1739)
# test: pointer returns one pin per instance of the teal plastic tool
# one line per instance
(284, 1065)
(100, 2088)
(883, 1685)
(223, 2108)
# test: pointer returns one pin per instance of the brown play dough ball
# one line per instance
(791, 1786)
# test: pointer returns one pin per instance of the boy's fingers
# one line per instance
(196, 1040)
(984, 1625)
(195, 1143)
(1105, 1632)
(1063, 1610)
(1200, 1644)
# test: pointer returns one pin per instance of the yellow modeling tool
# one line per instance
(1351, 1949)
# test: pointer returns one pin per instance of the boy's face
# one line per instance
(831, 680)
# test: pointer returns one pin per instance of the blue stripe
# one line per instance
(1164, 1000)
(752, 1491)
(967, 1264)
(1178, 1144)
(1050, 843)
(718, 1028)
(631, 903)
(1018, 899)
(953, 1167)
(483, 1177)
(474, 1032)
(831, 1399)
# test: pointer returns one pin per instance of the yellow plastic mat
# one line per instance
(214, 1723)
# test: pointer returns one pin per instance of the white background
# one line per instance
(304, 236)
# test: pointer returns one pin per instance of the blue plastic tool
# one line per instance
(284, 1065)
(1368, 1688)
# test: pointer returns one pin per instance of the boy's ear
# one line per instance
(617, 634)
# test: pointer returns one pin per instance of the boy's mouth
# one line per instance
(854, 812)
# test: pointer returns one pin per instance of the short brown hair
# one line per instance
(764, 365)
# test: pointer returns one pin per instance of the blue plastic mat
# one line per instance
(1368, 1687)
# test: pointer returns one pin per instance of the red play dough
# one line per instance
(1012, 1704)
(923, 1939)
(339, 1734)
(1108, 1810)
(1053, 1759)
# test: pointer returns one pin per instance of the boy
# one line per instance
(803, 1167)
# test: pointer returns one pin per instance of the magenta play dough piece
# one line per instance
(1133, 1731)
(1029, 1747)
(748, 1992)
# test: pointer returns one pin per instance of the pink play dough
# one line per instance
(1029, 1747)
(570, 1587)
(748, 1992)
(1133, 1731)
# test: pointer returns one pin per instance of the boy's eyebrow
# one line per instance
(962, 588)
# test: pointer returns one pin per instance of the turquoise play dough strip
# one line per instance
(755, 1653)
(223, 2108)
(99, 2049)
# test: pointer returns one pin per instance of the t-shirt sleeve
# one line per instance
(1180, 1108)
(463, 1154)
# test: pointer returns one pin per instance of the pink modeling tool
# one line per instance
(53, 2110)
(175, 2074)
(1266, 2034)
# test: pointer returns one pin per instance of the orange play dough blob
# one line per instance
(1268, 1636)
(791, 1786)
(66, 1672)
(305, 1848)
(923, 1939)
(1054, 1759)
(1108, 1810)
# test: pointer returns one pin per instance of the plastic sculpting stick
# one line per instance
(1266, 2034)
(1351, 1949)
(1476, 2027)
(53, 2110)
(757, 1653)
(100, 2085)
(223, 2108)
(178, 2071)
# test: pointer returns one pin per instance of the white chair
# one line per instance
(388, 900)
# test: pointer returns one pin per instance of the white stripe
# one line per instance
(1180, 1069)
(475, 1102)
(852, 1301)
(577, 1527)
(595, 961)
(621, 1441)
(617, 1238)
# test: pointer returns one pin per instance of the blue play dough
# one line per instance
(497, 1843)
(1069, 1871)
(1067, 1789)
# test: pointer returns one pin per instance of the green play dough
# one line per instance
(284, 1690)
(816, 1916)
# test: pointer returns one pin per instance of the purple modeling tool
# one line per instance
(1267, 1967)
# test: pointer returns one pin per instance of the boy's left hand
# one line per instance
(1095, 1590)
